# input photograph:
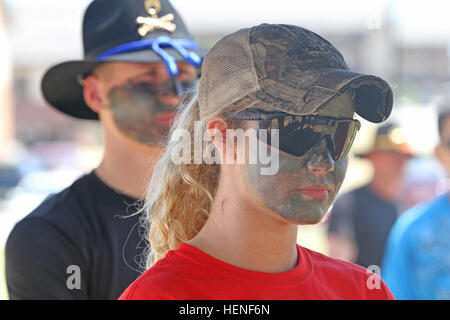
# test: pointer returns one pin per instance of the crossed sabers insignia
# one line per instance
(149, 24)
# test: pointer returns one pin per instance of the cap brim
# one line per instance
(61, 85)
(307, 92)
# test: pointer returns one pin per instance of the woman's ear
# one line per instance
(94, 93)
(217, 131)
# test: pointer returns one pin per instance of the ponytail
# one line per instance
(180, 196)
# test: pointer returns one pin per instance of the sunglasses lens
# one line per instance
(298, 142)
(344, 137)
(296, 137)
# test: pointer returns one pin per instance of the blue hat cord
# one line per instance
(157, 45)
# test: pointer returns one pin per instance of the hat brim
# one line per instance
(402, 149)
(307, 92)
(408, 154)
(62, 88)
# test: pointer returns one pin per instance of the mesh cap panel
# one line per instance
(228, 74)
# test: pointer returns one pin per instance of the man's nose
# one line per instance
(156, 76)
(320, 160)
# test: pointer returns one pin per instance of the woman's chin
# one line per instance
(302, 219)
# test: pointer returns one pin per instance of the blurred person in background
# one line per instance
(424, 179)
(139, 61)
(360, 220)
(416, 264)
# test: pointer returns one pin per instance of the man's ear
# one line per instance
(94, 93)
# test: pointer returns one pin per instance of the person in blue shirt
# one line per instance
(416, 263)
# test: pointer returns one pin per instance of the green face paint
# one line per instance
(281, 192)
(140, 112)
(304, 188)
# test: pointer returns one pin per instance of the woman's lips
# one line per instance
(315, 192)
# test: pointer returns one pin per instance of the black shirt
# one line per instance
(78, 244)
(364, 218)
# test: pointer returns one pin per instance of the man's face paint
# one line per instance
(144, 107)
(304, 188)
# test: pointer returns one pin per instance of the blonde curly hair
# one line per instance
(180, 196)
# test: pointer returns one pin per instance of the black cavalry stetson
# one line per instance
(139, 31)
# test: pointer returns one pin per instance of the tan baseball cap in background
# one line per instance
(389, 137)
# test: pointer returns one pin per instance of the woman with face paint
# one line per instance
(228, 230)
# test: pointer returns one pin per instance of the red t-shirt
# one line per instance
(190, 274)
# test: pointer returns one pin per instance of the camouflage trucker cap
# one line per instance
(285, 68)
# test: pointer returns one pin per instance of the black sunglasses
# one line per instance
(298, 134)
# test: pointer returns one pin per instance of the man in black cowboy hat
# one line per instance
(139, 61)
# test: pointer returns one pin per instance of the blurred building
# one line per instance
(41, 34)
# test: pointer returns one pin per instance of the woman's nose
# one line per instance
(320, 160)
